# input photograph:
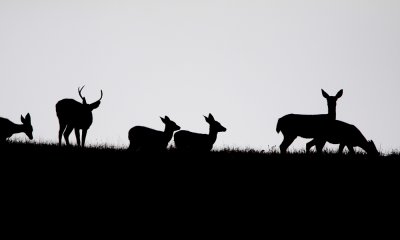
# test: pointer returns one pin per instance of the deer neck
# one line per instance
(212, 136)
(18, 128)
(332, 113)
(364, 144)
(168, 132)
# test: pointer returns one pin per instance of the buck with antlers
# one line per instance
(147, 139)
(347, 135)
(8, 128)
(306, 126)
(73, 115)
(189, 141)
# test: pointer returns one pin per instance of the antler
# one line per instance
(79, 91)
(101, 95)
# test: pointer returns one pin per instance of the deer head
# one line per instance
(331, 100)
(93, 105)
(169, 125)
(26, 123)
(214, 125)
(371, 148)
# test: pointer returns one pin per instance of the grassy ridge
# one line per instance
(20, 150)
(46, 174)
(111, 160)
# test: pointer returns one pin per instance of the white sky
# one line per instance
(246, 62)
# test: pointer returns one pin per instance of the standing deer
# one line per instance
(306, 126)
(147, 139)
(8, 128)
(185, 140)
(338, 132)
(73, 115)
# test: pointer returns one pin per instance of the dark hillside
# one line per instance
(104, 161)
(70, 181)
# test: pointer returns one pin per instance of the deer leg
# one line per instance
(319, 146)
(67, 133)
(77, 135)
(351, 150)
(84, 131)
(341, 147)
(287, 140)
(61, 131)
(309, 145)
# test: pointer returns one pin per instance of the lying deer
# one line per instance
(147, 139)
(185, 140)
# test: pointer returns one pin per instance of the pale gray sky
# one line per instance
(246, 62)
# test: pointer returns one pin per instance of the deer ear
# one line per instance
(28, 118)
(324, 93)
(210, 116)
(206, 118)
(95, 105)
(339, 94)
(22, 119)
(167, 118)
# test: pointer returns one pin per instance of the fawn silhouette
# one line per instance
(147, 139)
(73, 115)
(189, 141)
(306, 126)
(338, 132)
(8, 128)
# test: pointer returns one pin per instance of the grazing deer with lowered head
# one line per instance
(338, 132)
(73, 115)
(185, 140)
(147, 139)
(306, 126)
(8, 128)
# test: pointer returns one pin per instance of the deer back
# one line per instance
(307, 126)
(193, 141)
(145, 134)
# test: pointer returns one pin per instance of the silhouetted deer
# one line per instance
(147, 139)
(306, 126)
(75, 115)
(8, 128)
(185, 140)
(338, 132)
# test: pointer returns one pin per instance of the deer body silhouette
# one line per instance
(338, 132)
(306, 126)
(189, 141)
(73, 115)
(8, 128)
(147, 139)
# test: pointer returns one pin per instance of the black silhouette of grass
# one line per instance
(107, 164)
(36, 151)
